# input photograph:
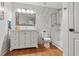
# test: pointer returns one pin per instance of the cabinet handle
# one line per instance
(71, 30)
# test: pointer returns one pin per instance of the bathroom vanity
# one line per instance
(23, 39)
(24, 35)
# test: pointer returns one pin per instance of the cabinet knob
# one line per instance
(65, 8)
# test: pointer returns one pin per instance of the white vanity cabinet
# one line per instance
(23, 39)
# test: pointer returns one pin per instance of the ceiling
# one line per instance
(56, 5)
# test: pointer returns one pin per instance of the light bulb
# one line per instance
(19, 10)
(23, 10)
(31, 11)
(27, 11)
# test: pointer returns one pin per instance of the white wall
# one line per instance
(4, 29)
(59, 21)
(56, 29)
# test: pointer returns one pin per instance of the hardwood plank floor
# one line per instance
(40, 51)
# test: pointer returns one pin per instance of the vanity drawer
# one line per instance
(14, 44)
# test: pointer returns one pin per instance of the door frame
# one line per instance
(64, 28)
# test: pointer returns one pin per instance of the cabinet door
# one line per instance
(33, 40)
(27, 39)
(21, 39)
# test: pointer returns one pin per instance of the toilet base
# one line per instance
(47, 42)
(47, 45)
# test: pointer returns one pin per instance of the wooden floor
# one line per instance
(40, 51)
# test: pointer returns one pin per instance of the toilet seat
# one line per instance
(47, 40)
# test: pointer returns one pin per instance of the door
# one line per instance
(74, 29)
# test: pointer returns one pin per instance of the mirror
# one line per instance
(25, 19)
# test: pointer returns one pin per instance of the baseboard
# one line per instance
(57, 46)
(4, 52)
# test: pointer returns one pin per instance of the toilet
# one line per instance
(46, 39)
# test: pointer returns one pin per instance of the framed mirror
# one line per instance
(25, 19)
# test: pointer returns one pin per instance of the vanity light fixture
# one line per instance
(25, 11)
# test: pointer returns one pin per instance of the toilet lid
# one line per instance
(47, 39)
